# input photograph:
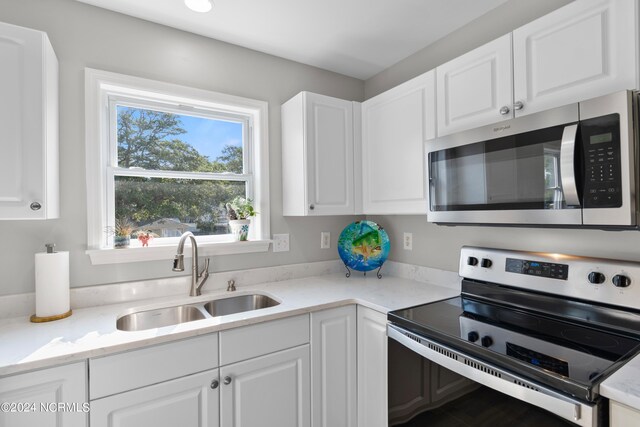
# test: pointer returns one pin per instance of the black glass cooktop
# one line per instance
(568, 345)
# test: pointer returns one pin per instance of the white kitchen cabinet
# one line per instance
(191, 401)
(317, 156)
(395, 126)
(585, 49)
(372, 368)
(29, 123)
(47, 387)
(333, 368)
(622, 415)
(476, 88)
(272, 390)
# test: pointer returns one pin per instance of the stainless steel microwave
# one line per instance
(570, 166)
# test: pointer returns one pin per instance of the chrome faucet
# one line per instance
(197, 278)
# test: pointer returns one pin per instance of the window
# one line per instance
(168, 158)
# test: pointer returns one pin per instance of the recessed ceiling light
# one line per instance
(201, 6)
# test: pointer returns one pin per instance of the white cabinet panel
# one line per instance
(333, 368)
(138, 368)
(29, 123)
(583, 50)
(622, 415)
(63, 384)
(317, 155)
(272, 390)
(372, 368)
(191, 401)
(395, 125)
(474, 87)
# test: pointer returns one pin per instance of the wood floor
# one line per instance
(486, 408)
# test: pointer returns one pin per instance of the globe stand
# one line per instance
(378, 275)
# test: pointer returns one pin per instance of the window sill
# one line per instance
(158, 253)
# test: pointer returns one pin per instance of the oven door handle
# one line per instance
(567, 165)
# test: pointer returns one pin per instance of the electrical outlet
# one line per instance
(408, 241)
(281, 243)
(325, 240)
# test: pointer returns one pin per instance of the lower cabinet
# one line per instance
(34, 398)
(333, 368)
(622, 415)
(191, 401)
(271, 390)
(372, 368)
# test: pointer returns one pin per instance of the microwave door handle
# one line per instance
(567, 170)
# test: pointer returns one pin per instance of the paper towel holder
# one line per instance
(40, 319)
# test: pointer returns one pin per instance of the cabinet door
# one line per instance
(29, 123)
(333, 368)
(271, 390)
(317, 156)
(190, 401)
(583, 50)
(372, 368)
(474, 88)
(622, 415)
(395, 125)
(42, 391)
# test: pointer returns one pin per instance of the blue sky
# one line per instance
(208, 136)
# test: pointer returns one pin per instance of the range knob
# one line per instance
(486, 341)
(596, 278)
(472, 261)
(621, 281)
(473, 336)
(486, 263)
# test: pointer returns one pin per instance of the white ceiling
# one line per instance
(358, 38)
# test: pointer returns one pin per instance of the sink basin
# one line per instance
(151, 319)
(222, 307)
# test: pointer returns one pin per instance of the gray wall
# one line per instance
(86, 36)
(439, 246)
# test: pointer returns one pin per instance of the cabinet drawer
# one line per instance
(138, 368)
(256, 340)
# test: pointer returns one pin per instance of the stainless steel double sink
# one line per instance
(168, 316)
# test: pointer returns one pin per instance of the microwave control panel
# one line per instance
(602, 163)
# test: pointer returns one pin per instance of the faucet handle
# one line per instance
(205, 270)
(231, 285)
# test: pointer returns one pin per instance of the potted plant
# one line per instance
(121, 231)
(239, 210)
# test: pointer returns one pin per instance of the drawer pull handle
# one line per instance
(227, 380)
(214, 384)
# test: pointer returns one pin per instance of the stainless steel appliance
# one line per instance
(544, 328)
(571, 166)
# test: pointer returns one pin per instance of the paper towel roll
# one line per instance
(52, 284)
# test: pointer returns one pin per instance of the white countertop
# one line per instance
(92, 332)
(624, 385)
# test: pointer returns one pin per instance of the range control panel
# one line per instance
(537, 268)
(606, 281)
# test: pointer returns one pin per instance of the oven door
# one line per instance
(578, 412)
(517, 172)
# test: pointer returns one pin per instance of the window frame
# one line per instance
(103, 91)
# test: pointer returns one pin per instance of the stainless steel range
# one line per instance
(544, 328)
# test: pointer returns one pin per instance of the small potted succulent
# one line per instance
(239, 210)
(121, 231)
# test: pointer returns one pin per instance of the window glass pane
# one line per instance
(165, 141)
(169, 207)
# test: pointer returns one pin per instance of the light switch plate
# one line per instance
(325, 240)
(281, 243)
(408, 241)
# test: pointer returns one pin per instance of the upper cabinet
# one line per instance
(395, 126)
(476, 88)
(583, 50)
(29, 123)
(318, 156)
